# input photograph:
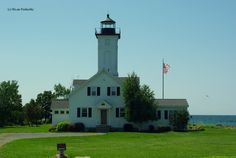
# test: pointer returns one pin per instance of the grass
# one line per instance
(211, 143)
(25, 129)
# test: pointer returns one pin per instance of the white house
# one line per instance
(98, 102)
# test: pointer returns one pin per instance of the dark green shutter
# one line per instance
(98, 91)
(88, 91)
(90, 112)
(78, 112)
(117, 112)
(118, 91)
(108, 91)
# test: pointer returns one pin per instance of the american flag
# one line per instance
(166, 68)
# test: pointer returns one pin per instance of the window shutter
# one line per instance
(88, 91)
(90, 112)
(118, 91)
(108, 91)
(117, 112)
(166, 115)
(78, 112)
(98, 91)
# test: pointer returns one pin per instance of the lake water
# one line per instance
(229, 120)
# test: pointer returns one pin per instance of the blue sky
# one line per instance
(55, 43)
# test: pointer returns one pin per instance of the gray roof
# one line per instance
(172, 102)
(79, 82)
(108, 20)
(60, 104)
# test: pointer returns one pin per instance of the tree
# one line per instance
(139, 101)
(44, 100)
(10, 103)
(61, 91)
(33, 112)
(179, 120)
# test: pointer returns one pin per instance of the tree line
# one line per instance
(36, 111)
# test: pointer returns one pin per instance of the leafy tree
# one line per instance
(139, 100)
(179, 120)
(10, 102)
(33, 112)
(61, 91)
(44, 100)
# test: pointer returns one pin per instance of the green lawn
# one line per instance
(212, 143)
(25, 129)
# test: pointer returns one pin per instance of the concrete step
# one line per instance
(103, 128)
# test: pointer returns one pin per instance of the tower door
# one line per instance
(103, 117)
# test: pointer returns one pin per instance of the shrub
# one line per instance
(151, 128)
(62, 127)
(163, 129)
(128, 127)
(197, 128)
(52, 129)
(77, 127)
(179, 120)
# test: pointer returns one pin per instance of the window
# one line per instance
(67, 112)
(159, 114)
(62, 112)
(120, 112)
(56, 112)
(93, 91)
(113, 91)
(166, 115)
(84, 112)
(78, 112)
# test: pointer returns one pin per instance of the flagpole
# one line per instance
(163, 78)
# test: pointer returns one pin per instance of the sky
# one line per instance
(54, 42)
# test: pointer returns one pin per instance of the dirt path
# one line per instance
(8, 137)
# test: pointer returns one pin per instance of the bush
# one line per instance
(62, 127)
(151, 128)
(196, 128)
(163, 129)
(52, 129)
(77, 127)
(128, 127)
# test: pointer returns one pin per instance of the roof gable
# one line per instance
(84, 83)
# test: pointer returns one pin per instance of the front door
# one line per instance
(103, 117)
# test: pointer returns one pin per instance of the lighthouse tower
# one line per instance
(108, 36)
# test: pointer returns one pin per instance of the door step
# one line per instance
(103, 128)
